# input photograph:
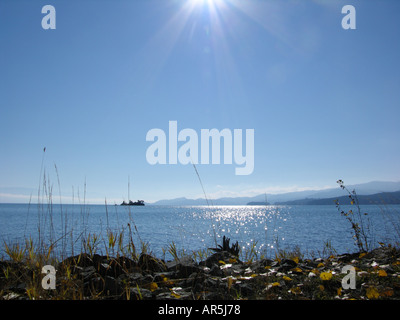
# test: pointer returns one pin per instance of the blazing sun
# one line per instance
(214, 25)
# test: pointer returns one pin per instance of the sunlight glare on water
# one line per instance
(245, 224)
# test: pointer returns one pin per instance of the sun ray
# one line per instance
(223, 23)
(158, 49)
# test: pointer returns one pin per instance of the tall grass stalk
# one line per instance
(208, 203)
(359, 221)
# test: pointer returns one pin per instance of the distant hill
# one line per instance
(214, 202)
(370, 188)
(378, 198)
(258, 203)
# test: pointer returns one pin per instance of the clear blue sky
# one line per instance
(324, 102)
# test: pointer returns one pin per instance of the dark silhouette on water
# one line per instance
(131, 203)
(234, 249)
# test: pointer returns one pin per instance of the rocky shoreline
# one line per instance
(222, 276)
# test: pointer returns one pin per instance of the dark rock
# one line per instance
(81, 260)
(197, 280)
(112, 286)
(77, 269)
(382, 254)
(128, 265)
(185, 295)
(390, 270)
(259, 266)
(306, 266)
(87, 273)
(166, 296)
(211, 295)
(102, 269)
(216, 271)
(286, 265)
(137, 293)
(116, 267)
(290, 262)
(135, 278)
(18, 288)
(311, 263)
(210, 283)
(244, 289)
(275, 264)
(160, 276)
(98, 260)
(347, 257)
(94, 286)
(147, 278)
(148, 263)
(236, 269)
(184, 266)
(219, 256)
(107, 286)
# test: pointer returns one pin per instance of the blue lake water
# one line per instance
(194, 228)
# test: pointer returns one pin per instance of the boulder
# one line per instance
(347, 257)
(286, 265)
(259, 265)
(216, 271)
(183, 266)
(81, 260)
(87, 273)
(112, 286)
(126, 264)
(215, 258)
(383, 254)
(137, 293)
(148, 263)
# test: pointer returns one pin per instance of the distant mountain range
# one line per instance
(377, 198)
(377, 189)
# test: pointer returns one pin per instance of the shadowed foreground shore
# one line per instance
(220, 276)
